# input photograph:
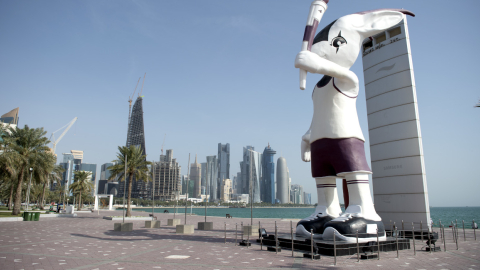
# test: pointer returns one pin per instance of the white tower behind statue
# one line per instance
(283, 193)
(399, 180)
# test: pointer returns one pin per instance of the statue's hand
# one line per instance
(308, 61)
(305, 151)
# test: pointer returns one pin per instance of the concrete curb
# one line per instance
(7, 219)
(127, 218)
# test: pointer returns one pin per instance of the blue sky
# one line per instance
(222, 71)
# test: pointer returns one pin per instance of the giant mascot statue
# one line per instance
(334, 143)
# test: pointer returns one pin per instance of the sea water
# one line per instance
(445, 214)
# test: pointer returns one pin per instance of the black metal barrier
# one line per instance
(404, 238)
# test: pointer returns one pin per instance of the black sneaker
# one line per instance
(317, 223)
(346, 226)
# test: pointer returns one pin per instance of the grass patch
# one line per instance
(9, 214)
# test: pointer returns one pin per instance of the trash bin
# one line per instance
(37, 216)
(27, 216)
(31, 216)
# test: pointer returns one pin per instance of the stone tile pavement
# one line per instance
(89, 242)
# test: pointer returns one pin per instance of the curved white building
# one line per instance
(282, 180)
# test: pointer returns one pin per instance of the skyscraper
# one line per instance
(268, 175)
(251, 171)
(296, 194)
(203, 178)
(184, 184)
(73, 162)
(196, 177)
(226, 190)
(223, 164)
(212, 178)
(136, 133)
(136, 136)
(10, 118)
(282, 181)
(167, 177)
(307, 198)
(105, 173)
(92, 168)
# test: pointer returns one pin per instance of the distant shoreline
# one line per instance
(220, 207)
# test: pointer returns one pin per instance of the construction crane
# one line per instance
(130, 107)
(130, 100)
(141, 91)
(56, 141)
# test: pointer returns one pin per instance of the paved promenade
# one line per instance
(89, 242)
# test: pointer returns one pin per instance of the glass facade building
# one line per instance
(195, 176)
(11, 117)
(211, 178)
(136, 136)
(296, 194)
(73, 162)
(223, 165)
(251, 171)
(105, 173)
(268, 175)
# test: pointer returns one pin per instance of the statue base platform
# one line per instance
(245, 243)
(434, 249)
(274, 249)
(324, 247)
(309, 255)
(205, 226)
(369, 256)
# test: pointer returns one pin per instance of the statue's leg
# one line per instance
(327, 209)
(360, 216)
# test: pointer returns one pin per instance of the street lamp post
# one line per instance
(176, 192)
(251, 186)
(124, 188)
(28, 189)
(153, 190)
(251, 190)
(206, 191)
(188, 182)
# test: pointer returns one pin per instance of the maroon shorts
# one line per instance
(333, 156)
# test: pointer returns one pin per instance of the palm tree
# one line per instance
(28, 145)
(8, 174)
(81, 183)
(58, 193)
(136, 167)
(54, 175)
(8, 165)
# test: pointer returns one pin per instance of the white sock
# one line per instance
(328, 203)
(359, 195)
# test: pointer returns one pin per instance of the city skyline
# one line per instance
(237, 72)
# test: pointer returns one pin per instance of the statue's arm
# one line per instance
(305, 146)
(313, 63)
